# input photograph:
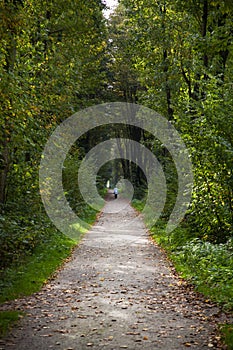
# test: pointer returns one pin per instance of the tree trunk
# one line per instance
(4, 173)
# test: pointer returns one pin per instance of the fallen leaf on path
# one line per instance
(63, 331)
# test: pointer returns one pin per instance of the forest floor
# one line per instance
(117, 291)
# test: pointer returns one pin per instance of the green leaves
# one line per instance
(51, 59)
(210, 267)
(179, 54)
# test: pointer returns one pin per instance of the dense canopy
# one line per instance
(58, 57)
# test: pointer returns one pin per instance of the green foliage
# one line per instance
(227, 335)
(190, 84)
(15, 240)
(51, 65)
(137, 204)
(7, 320)
(32, 271)
(208, 266)
(122, 74)
(59, 57)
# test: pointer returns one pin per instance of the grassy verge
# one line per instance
(7, 320)
(207, 266)
(227, 334)
(31, 272)
(27, 276)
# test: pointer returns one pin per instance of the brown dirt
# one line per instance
(118, 291)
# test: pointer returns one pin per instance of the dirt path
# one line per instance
(118, 291)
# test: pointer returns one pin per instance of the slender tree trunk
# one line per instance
(204, 30)
(170, 111)
(4, 173)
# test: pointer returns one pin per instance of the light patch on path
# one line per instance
(118, 291)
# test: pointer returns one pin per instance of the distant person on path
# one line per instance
(115, 191)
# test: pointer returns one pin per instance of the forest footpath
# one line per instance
(117, 291)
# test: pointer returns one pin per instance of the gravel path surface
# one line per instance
(118, 291)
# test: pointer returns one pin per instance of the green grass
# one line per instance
(227, 335)
(207, 266)
(7, 320)
(31, 270)
(137, 204)
(30, 274)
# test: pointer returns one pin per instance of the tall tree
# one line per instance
(181, 53)
(51, 66)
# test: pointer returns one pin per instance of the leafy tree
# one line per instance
(181, 55)
(51, 65)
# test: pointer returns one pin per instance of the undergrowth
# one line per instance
(30, 273)
(31, 268)
(7, 320)
(208, 266)
(227, 333)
